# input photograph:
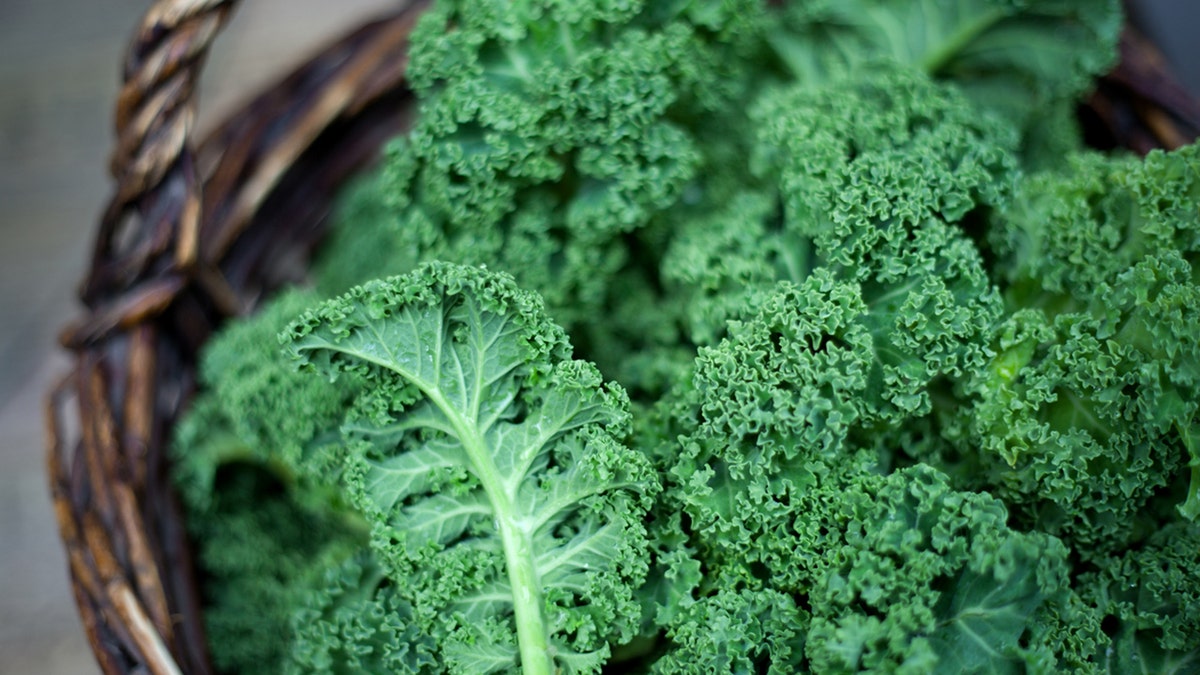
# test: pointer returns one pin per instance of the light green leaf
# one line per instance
(476, 434)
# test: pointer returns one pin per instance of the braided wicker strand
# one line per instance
(152, 163)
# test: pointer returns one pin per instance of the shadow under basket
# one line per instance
(196, 233)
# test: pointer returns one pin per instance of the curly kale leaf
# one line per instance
(868, 173)
(1013, 56)
(1088, 412)
(781, 474)
(928, 579)
(1054, 426)
(860, 572)
(1150, 601)
(1137, 611)
(260, 537)
(490, 466)
(280, 415)
(256, 463)
(551, 137)
(1071, 232)
(809, 386)
(885, 143)
(737, 631)
(353, 620)
(548, 132)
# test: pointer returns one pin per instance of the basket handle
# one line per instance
(179, 204)
(140, 262)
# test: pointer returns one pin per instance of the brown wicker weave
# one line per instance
(196, 234)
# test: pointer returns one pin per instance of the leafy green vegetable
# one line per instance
(778, 462)
(1149, 599)
(889, 375)
(352, 621)
(253, 464)
(489, 466)
(1087, 411)
(1020, 57)
(548, 131)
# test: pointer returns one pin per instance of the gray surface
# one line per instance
(58, 76)
(1175, 26)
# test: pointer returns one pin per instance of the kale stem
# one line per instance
(518, 552)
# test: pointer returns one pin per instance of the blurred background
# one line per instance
(59, 73)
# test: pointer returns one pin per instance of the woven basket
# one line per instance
(199, 232)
